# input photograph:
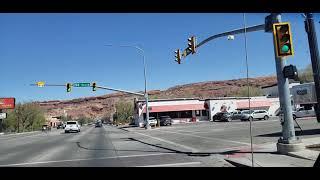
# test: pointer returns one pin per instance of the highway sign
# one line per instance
(7, 103)
(3, 115)
(81, 84)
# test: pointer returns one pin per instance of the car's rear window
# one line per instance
(71, 123)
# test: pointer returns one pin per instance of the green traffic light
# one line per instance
(285, 48)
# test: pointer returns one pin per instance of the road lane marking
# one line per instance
(192, 135)
(170, 142)
(88, 159)
(173, 164)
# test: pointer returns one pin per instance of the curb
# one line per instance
(237, 164)
(16, 134)
(301, 156)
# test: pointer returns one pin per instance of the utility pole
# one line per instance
(314, 54)
(288, 142)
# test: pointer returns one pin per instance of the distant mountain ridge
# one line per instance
(99, 106)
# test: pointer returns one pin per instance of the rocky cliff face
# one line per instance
(100, 106)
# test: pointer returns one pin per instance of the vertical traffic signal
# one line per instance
(68, 87)
(283, 39)
(94, 86)
(178, 56)
(192, 44)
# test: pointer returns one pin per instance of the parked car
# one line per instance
(152, 121)
(60, 126)
(302, 112)
(255, 114)
(165, 121)
(236, 115)
(72, 126)
(222, 116)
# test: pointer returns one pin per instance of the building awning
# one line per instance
(253, 104)
(182, 107)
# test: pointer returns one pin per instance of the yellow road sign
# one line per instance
(40, 84)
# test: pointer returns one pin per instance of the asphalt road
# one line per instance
(106, 146)
(199, 144)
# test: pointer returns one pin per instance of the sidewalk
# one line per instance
(266, 156)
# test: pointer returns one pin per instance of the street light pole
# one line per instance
(315, 59)
(145, 82)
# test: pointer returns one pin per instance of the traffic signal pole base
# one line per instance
(287, 146)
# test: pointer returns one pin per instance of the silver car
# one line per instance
(255, 114)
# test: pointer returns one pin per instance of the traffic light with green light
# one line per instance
(283, 39)
(192, 44)
(94, 86)
(68, 87)
(178, 56)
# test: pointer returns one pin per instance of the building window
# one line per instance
(204, 113)
(197, 113)
(186, 114)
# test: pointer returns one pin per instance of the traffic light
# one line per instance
(94, 86)
(283, 39)
(68, 87)
(178, 56)
(192, 44)
(291, 72)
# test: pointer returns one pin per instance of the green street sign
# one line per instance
(81, 84)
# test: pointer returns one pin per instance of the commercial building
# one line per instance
(183, 110)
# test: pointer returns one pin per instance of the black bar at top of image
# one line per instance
(160, 6)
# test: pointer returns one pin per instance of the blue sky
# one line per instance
(61, 48)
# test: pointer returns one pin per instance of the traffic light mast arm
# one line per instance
(49, 85)
(119, 90)
(260, 27)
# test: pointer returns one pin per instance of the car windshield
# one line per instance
(247, 112)
(71, 122)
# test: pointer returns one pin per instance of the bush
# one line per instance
(25, 117)
(306, 75)
(124, 110)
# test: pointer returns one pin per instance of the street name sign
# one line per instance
(81, 84)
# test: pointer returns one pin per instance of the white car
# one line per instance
(72, 126)
(255, 114)
(301, 112)
(152, 121)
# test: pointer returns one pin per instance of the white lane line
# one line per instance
(173, 164)
(218, 139)
(170, 142)
(88, 159)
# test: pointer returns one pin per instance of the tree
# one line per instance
(124, 110)
(83, 120)
(306, 75)
(25, 117)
